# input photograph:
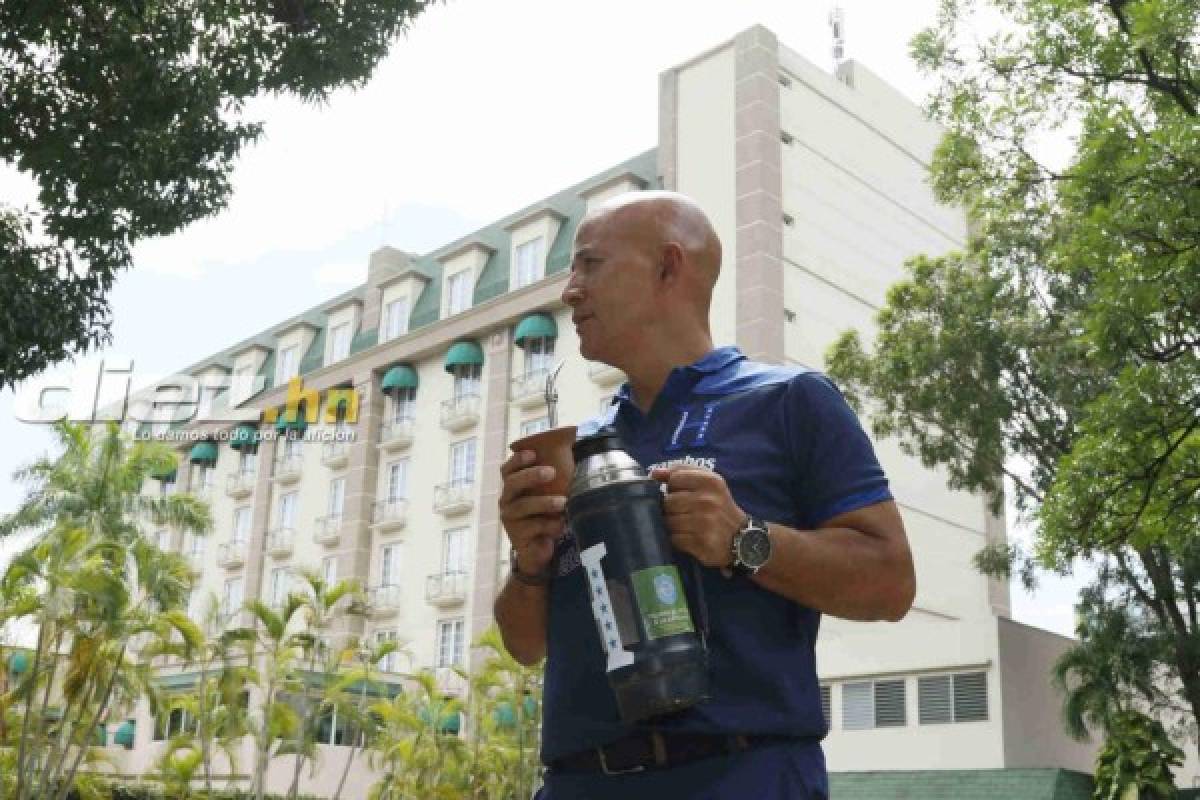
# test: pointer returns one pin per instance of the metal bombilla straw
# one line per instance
(551, 395)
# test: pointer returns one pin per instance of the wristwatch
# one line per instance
(539, 579)
(751, 547)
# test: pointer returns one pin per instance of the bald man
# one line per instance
(777, 508)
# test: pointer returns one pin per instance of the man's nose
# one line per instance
(572, 295)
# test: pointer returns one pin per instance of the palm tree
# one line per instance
(321, 604)
(506, 717)
(276, 724)
(360, 678)
(419, 757)
(93, 585)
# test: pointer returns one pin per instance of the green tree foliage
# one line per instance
(1136, 760)
(130, 117)
(97, 590)
(1062, 349)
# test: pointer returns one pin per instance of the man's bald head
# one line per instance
(658, 218)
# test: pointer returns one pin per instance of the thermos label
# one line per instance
(661, 602)
(602, 608)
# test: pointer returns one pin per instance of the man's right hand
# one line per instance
(533, 522)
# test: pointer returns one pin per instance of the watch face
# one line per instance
(754, 547)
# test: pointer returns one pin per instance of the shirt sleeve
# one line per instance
(835, 461)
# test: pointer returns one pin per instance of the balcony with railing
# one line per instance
(449, 682)
(383, 601)
(389, 515)
(240, 484)
(445, 589)
(231, 555)
(195, 562)
(529, 390)
(456, 497)
(397, 435)
(604, 374)
(288, 468)
(335, 455)
(461, 412)
(280, 541)
(328, 530)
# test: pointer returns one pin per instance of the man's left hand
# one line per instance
(700, 514)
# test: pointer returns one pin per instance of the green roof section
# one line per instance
(535, 326)
(962, 784)
(125, 734)
(463, 353)
(363, 340)
(203, 453)
(314, 359)
(401, 376)
(245, 437)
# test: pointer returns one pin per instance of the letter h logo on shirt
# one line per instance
(692, 430)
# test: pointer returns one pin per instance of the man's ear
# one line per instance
(670, 262)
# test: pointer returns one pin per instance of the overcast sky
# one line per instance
(482, 108)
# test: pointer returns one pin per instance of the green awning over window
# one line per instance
(166, 473)
(535, 326)
(244, 437)
(18, 662)
(125, 733)
(203, 453)
(462, 354)
(401, 376)
(292, 421)
(505, 716)
(449, 723)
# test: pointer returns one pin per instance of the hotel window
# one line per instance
(287, 510)
(280, 580)
(339, 342)
(231, 596)
(246, 462)
(467, 380)
(390, 662)
(337, 497)
(395, 318)
(292, 447)
(241, 525)
(397, 480)
(531, 426)
(193, 545)
(952, 698)
(462, 462)
(208, 395)
(539, 355)
(404, 404)
(329, 570)
(162, 540)
(287, 367)
(389, 565)
(450, 643)
(458, 292)
(530, 261)
(873, 704)
(202, 477)
(827, 705)
(454, 551)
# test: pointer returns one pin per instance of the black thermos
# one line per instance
(655, 658)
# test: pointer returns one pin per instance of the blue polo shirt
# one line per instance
(792, 452)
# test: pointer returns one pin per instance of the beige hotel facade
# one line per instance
(816, 183)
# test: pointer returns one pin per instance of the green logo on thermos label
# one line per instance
(661, 601)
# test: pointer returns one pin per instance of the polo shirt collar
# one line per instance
(681, 380)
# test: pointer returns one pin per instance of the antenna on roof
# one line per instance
(837, 25)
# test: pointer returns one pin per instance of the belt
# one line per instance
(658, 750)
